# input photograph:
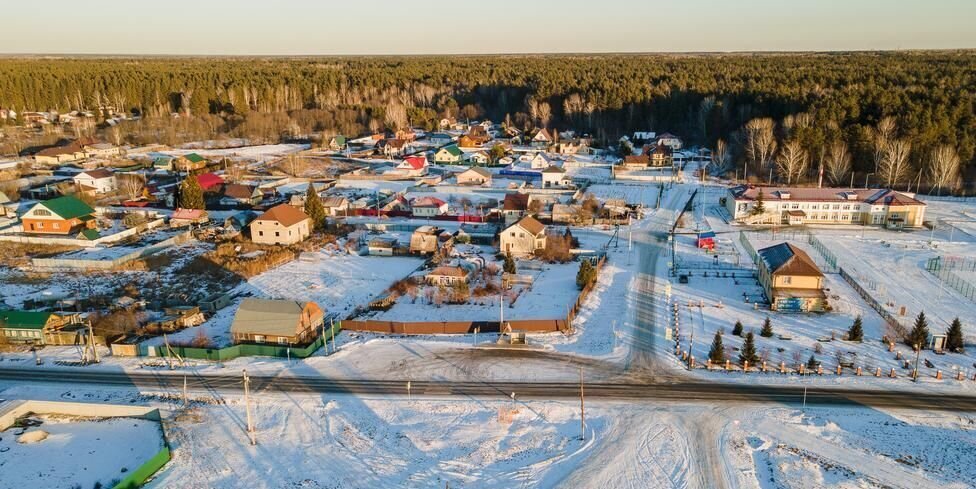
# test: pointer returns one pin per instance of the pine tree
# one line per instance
(509, 265)
(856, 332)
(314, 207)
(748, 351)
(191, 194)
(812, 362)
(767, 328)
(920, 332)
(737, 329)
(954, 342)
(760, 206)
(717, 353)
(586, 274)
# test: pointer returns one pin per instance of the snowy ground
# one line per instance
(78, 452)
(364, 442)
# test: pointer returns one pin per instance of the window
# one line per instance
(787, 280)
(260, 233)
(259, 338)
(521, 235)
(795, 206)
(42, 212)
(282, 340)
(57, 225)
(40, 225)
(277, 234)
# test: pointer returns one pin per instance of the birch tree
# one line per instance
(944, 167)
(881, 137)
(894, 164)
(721, 156)
(792, 161)
(760, 142)
(838, 162)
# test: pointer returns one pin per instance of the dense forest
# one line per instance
(890, 114)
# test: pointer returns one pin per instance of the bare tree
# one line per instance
(944, 167)
(396, 116)
(721, 156)
(894, 165)
(293, 165)
(838, 162)
(131, 185)
(881, 137)
(792, 161)
(760, 143)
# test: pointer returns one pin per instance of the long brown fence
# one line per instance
(467, 327)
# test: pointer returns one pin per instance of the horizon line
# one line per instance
(494, 54)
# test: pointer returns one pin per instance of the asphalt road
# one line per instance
(684, 391)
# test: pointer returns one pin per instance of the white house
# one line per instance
(99, 181)
(541, 138)
(523, 238)
(474, 176)
(448, 155)
(554, 176)
(669, 140)
(477, 158)
(414, 166)
(428, 207)
(540, 162)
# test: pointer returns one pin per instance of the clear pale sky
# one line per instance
(296, 27)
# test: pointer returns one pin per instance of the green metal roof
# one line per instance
(68, 207)
(91, 234)
(340, 140)
(24, 319)
(194, 158)
(454, 150)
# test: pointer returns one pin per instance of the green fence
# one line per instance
(139, 476)
(825, 252)
(241, 350)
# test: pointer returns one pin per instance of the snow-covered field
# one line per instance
(78, 452)
(342, 441)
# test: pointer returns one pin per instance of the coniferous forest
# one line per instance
(903, 116)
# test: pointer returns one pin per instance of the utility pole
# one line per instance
(332, 330)
(804, 398)
(91, 341)
(247, 408)
(186, 400)
(408, 391)
(325, 347)
(918, 353)
(582, 410)
(169, 352)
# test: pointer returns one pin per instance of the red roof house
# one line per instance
(209, 181)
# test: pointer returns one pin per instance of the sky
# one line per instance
(326, 27)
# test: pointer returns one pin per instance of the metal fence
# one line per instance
(827, 255)
(945, 268)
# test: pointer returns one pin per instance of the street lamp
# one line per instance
(866, 179)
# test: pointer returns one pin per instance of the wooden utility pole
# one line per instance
(247, 408)
(169, 352)
(325, 346)
(332, 331)
(582, 410)
(91, 341)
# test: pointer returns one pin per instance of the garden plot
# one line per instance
(551, 293)
(335, 280)
(632, 193)
(76, 452)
